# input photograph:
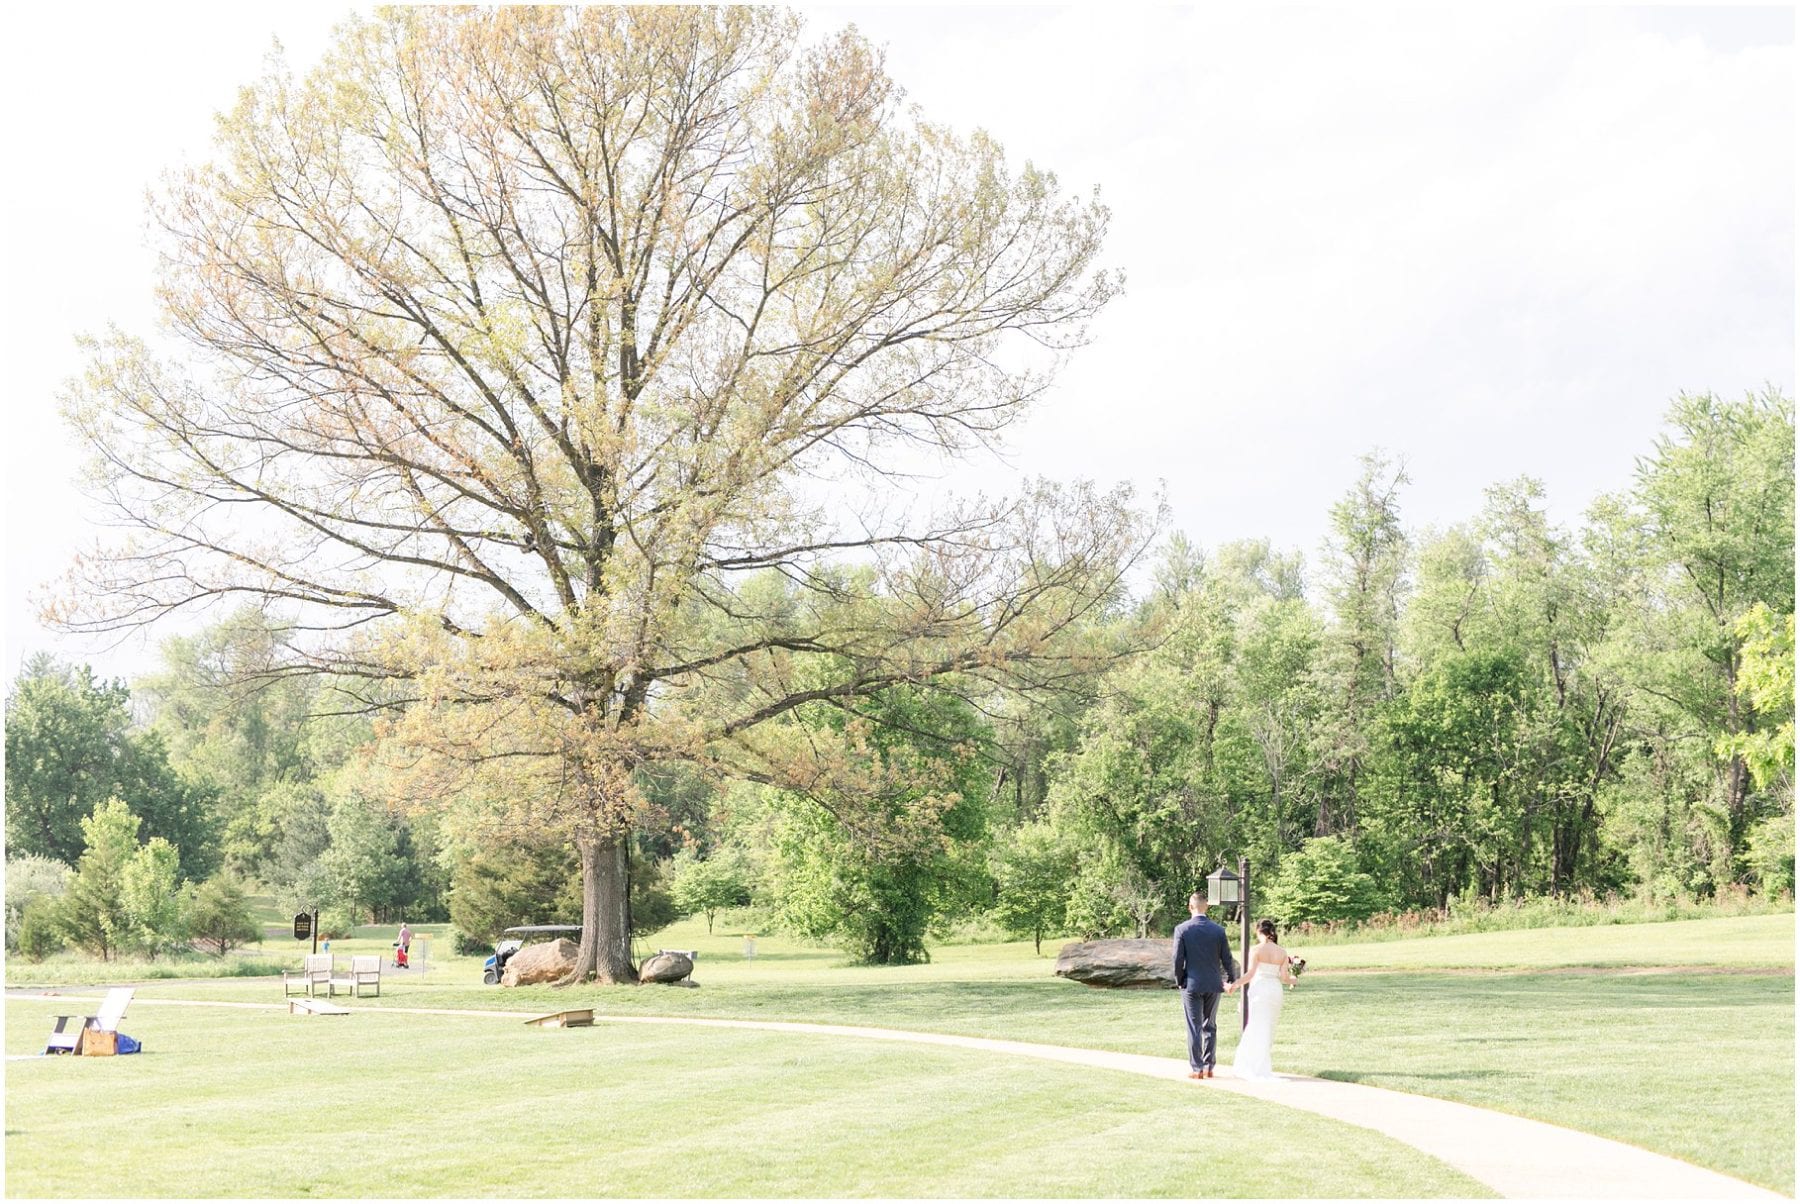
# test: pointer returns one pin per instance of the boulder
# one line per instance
(1123, 963)
(546, 961)
(666, 966)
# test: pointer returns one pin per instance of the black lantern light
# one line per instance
(1223, 886)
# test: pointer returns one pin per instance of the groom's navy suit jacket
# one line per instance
(1203, 957)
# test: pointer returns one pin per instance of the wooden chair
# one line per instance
(316, 973)
(365, 972)
(65, 1038)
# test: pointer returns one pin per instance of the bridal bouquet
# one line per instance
(1296, 965)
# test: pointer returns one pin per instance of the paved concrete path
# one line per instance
(1516, 1157)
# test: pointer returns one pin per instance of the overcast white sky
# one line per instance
(1495, 240)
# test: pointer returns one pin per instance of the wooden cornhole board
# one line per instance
(315, 1007)
(574, 1018)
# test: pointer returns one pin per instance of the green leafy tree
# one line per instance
(1096, 903)
(1319, 882)
(298, 816)
(218, 916)
(513, 401)
(1765, 685)
(1032, 866)
(70, 748)
(94, 914)
(372, 865)
(235, 717)
(707, 884)
(1165, 768)
(497, 885)
(892, 840)
(1365, 573)
(154, 899)
(1716, 503)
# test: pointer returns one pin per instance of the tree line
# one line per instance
(1498, 709)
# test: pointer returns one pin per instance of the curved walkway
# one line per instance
(1514, 1156)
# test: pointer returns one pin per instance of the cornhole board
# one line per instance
(573, 1018)
(315, 1007)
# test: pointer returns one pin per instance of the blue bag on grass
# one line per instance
(129, 1044)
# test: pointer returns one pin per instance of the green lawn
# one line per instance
(1743, 941)
(239, 1103)
(1697, 1063)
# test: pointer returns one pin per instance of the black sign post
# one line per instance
(307, 925)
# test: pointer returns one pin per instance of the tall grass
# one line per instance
(75, 969)
(1545, 911)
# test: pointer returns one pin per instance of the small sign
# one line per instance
(303, 927)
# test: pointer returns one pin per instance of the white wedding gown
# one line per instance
(1255, 1051)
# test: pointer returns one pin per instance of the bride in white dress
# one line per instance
(1265, 970)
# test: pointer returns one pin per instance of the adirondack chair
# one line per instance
(67, 1037)
(315, 974)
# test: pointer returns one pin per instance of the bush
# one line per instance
(40, 928)
(219, 916)
(1321, 882)
(1770, 854)
(29, 878)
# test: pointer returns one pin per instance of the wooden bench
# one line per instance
(315, 973)
(364, 972)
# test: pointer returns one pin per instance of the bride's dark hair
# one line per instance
(1267, 928)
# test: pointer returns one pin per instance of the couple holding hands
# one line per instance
(1205, 970)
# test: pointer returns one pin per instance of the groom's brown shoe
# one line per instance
(1197, 1074)
(1207, 1072)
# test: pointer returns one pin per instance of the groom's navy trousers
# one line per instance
(1203, 965)
(1202, 1010)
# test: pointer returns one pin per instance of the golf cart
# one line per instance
(513, 939)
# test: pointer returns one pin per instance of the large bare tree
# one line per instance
(509, 348)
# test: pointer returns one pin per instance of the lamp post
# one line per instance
(1233, 890)
(1244, 939)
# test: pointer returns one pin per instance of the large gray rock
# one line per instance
(666, 966)
(543, 962)
(1123, 963)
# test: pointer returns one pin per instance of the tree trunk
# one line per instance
(605, 954)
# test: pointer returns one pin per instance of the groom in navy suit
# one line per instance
(1203, 967)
